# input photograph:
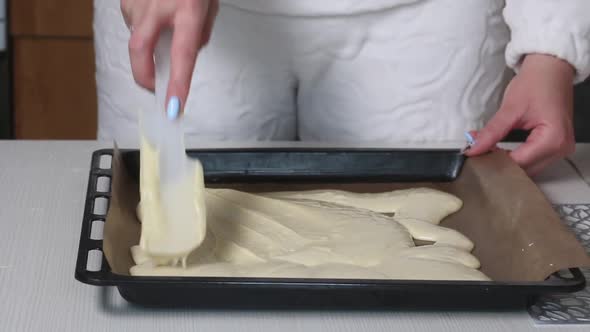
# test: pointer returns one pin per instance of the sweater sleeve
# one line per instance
(554, 27)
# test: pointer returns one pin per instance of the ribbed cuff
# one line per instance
(551, 39)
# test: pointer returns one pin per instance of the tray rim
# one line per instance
(105, 277)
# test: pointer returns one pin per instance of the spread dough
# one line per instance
(311, 234)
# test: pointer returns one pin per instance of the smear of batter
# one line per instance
(323, 234)
(419, 203)
(170, 232)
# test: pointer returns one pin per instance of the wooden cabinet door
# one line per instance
(54, 89)
(65, 18)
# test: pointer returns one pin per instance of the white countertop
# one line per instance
(581, 161)
(42, 191)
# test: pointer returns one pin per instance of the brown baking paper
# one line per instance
(517, 234)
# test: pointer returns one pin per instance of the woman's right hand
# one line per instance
(191, 21)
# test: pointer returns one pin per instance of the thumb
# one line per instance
(494, 131)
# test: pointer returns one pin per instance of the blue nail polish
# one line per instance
(470, 139)
(173, 108)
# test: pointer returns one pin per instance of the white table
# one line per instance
(42, 190)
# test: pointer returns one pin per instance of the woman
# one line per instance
(368, 71)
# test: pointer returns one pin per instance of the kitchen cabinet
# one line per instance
(5, 113)
(54, 88)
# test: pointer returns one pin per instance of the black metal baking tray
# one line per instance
(278, 165)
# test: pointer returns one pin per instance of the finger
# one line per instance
(132, 11)
(533, 150)
(475, 135)
(494, 131)
(209, 22)
(183, 54)
(141, 48)
(541, 147)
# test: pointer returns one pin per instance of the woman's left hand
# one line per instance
(539, 98)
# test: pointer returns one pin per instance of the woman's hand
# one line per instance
(192, 22)
(540, 99)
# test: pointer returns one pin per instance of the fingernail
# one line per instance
(173, 108)
(470, 139)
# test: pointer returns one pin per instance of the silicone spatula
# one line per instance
(176, 170)
(166, 134)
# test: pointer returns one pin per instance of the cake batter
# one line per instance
(314, 234)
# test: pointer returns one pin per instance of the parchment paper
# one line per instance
(517, 234)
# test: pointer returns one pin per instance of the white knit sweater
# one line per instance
(556, 27)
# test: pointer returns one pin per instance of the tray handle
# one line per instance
(90, 245)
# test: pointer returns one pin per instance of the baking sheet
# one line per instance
(518, 236)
